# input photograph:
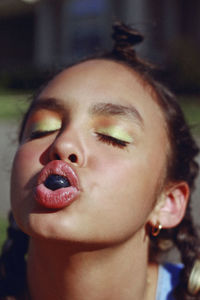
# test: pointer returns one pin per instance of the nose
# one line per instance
(68, 146)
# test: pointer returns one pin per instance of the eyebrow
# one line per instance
(129, 112)
(101, 108)
(52, 104)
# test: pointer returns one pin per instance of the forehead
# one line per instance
(102, 80)
(97, 74)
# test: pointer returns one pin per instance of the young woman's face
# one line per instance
(105, 124)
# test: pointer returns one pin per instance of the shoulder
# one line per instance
(168, 279)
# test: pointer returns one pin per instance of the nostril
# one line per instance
(57, 157)
(73, 158)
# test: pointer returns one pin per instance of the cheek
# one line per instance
(24, 174)
(26, 166)
(24, 163)
(127, 185)
(122, 186)
(135, 172)
(119, 202)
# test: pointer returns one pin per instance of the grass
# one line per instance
(13, 105)
(191, 109)
(3, 228)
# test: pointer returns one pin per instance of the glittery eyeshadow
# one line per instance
(48, 124)
(115, 132)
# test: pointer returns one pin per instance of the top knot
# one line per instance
(125, 37)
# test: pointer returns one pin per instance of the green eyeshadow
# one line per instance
(46, 125)
(116, 132)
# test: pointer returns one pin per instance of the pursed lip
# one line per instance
(59, 167)
(62, 197)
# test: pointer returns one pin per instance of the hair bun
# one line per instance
(124, 36)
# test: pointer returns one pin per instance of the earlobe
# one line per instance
(174, 203)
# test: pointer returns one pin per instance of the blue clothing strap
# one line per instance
(168, 279)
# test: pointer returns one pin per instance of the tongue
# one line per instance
(55, 182)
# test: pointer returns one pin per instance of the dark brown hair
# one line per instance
(181, 167)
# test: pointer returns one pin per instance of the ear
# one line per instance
(173, 204)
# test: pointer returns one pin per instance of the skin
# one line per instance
(77, 252)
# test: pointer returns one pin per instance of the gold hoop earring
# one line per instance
(156, 229)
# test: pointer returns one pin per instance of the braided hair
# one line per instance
(181, 167)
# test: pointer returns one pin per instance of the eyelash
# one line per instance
(111, 140)
(38, 134)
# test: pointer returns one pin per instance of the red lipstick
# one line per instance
(60, 197)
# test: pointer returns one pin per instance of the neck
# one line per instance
(79, 273)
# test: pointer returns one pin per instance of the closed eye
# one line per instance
(111, 140)
(40, 133)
